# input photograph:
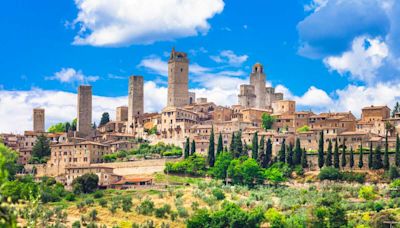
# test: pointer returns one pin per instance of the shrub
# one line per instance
(70, 197)
(126, 203)
(103, 202)
(393, 173)
(299, 170)
(182, 212)
(86, 183)
(93, 215)
(160, 212)
(367, 193)
(195, 205)
(275, 218)
(218, 193)
(146, 207)
(98, 194)
(395, 188)
(194, 165)
(89, 201)
(76, 224)
(329, 173)
(353, 177)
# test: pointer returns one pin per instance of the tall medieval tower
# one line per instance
(38, 120)
(178, 79)
(258, 79)
(135, 102)
(84, 125)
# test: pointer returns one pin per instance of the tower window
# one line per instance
(181, 69)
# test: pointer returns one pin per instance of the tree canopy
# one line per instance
(267, 121)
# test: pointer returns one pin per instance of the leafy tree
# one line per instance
(41, 148)
(321, 150)
(86, 183)
(304, 128)
(74, 124)
(289, 157)
(336, 155)
(194, 165)
(267, 121)
(297, 152)
(221, 165)
(8, 164)
(211, 149)
(386, 163)
(360, 159)
(261, 152)
(254, 149)
(370, 157)
(377, 162)
(193, 148)
(187, 148)
(57, 128)
(232, 146)
(397, 151)
(105, 118)
(351, 158)
(126, 203)
(274, 175)
(220, 145)
(245, 171)
(8, 213)
(304, 161)
(268, 154)
(396, 109)
(328, 161)
(67, 126)
(282, 152)
(344, 161)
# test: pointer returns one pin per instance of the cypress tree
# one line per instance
(268, 153)
(336, 155)
(211, 149)
(193, 148)
(238, 145)
(360, 159)
(220, 145)
(225, 149)
(321, 150)
(328, 161)
(304, 162)
(261, 150)
(245, 150)
(187, 148)
(370, 157)
(386, 163)
(282, 152)
(289, 158)
(397, 157)
(232, 146)
(377, 162)
(297, 152)
(344, 155)
(351, 158)
(254, 149)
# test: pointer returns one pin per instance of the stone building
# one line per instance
(38, 120)
(272, 96)
(247, 97)
(84, 124)
(106, 174)
(135, 103)
(375, 113)
(258, 80)
(121, 113)
(284, 107)
(178, 79)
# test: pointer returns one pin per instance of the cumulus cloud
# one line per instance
(315, 5)
(70, 75)
(229, 57)
(362, 61)
(155, 64)
(61, 106)
(126, 22)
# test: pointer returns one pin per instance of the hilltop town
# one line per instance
(187, 118)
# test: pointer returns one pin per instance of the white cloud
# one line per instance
(228, 56)
(126, 22)
(70, 75)
(315, 5)
(362, 61)
(155, 65)
(61, 106)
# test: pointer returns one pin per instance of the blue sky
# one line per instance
(328, 55)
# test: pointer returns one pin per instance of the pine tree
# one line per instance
(304, 162)
(360, 159)
(321, 150)
(193, 148)
(336, 155)
(268, 153)
(344, 162)
(397, 156)
(261, 151)
(187, 148)
(211, 149)
(297, 152)
(254, 149)
(282, 152)
(41, 147)
(232, 146)
(220, 145)
(328, 161)
(289, 155)
(386, 163)
(370, 157)
(377, 163)
(351, 158)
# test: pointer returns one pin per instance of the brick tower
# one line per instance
(178, 79)
(84, 125)
(38, 120)
(257, 79)
(135, 102)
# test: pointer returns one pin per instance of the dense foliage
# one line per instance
(86, 183)
(194, 165)
(41, 150)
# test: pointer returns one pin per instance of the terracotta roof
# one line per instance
(374, 107)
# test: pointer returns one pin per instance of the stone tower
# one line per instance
(247, 97)
(38, 120)
(84, 125)
(121, 113)
(257, 79)
(135, 101)
(178, 79)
